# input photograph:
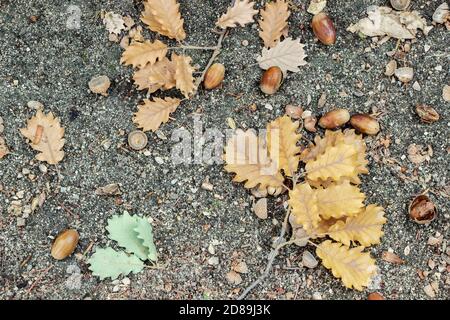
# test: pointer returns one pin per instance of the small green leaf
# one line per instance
(121, 229)
(144, 231)
(107, 262)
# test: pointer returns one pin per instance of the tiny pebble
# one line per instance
(43, 168)
(245, 43)
(159, 160)
(35, 105)
(126, 281)
(213, 261)
(20, 222)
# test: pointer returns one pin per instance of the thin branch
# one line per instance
(186, 47)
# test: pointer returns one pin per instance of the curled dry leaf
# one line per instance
(99, 85)
(390, 68)
(422, 210)
(295, 112)
(163, 16)
(46, 136)
(426, 113)
(183, 74)
(442, 14)
(111, 189)
(153, 113)
(241, 13)
(288, 55)
(274, 19)
(446, 93)
(114, 22)
(391, 257)
(139, 54)
(383, 21)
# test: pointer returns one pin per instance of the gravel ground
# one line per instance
(47, 62)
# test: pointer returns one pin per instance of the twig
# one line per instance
(186, 47)
(39, 278)
(272, 255)
(214, 55)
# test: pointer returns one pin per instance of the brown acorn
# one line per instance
(271, 80)
(324, 29)
(334, 119)
(422, 210)
(214, 76)
(65, 244)
(365, 123)
(375, 296)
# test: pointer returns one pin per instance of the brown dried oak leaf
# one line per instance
(160, 75)
(241, 13)
(274, 21)
(163, 16)
(140, 54)
(46, 136)
(152, 114)
(183, 74)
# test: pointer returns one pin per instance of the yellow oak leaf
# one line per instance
(303, 201)
(183, 74)
(241, 13)
(338, 200)
(365, 227)
(273, 22)
(46, 136)
(353, 266)
(282, 144)
(163, 16)
(156, 76)
(332, 139)
(139, 54)
(247, 156)
(152, 114)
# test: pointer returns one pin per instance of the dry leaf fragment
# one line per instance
(163, 16)
(365, 227)
(446, 93)
(442, 14)
(241, 13)
(140, 54)
(183, 74)
(288, 55)
(383, 21)
(391, 257)
(247, 156)
(233, 277)
(274, 20)
(418, 153)
(152, 114)
(51, 142)
(260, 208)
(316, 6)
(353, 266)
(282, 140)
(3, 148)
(108, 190)
(100, 85)
(114, 22)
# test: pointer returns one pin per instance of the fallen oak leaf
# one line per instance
(163, 16)
(160, 75)
(46, 136)
(273, 21)
(114, 22)
(183, 74)
(241, 13)
(152, 114)
(139, 54)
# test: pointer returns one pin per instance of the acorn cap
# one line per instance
(137, 140)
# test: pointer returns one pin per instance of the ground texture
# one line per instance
(47, 62)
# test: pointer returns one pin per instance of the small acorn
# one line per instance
(375, 296)
(65, 244)
(365, 124)
(324, 29)
(214, 76)
(271, 80)
(422, 210)
(334, 119)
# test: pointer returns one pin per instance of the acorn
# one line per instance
(422, 210)
(324, 29)
(400, 5)
(365, 123)
(375, 296)
(271, 80)
(65, 244)
(214, 76)
(334, 119)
